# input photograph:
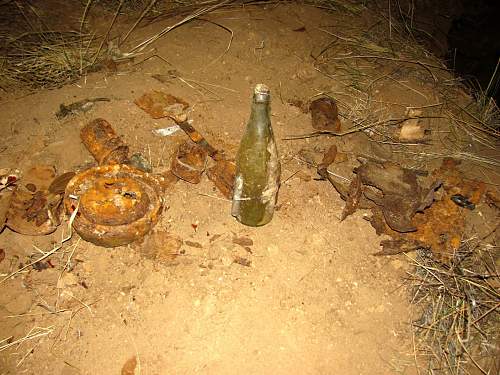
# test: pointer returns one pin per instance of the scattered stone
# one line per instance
(140, 162)
(129, 366)
(243, 241)
(20, 304)
(325, 114)
(193, 244)
(67, 280)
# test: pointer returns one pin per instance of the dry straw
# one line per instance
(46, 59)
(460, 306)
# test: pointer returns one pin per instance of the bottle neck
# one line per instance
(259, 115)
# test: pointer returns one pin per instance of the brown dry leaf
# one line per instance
(2, 255)
(222, 175)
(129, 366)
(159, 105)
(325, 115)
(242, 261)
(411, 129)
(193, 244)
(243, 241)
(328, 158)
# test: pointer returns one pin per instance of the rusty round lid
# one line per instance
(117, 204)
(114, 201)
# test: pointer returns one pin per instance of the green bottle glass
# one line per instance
(257, 165)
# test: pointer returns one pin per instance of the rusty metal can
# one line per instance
(117, 204)
(103, 143)
(189, 162)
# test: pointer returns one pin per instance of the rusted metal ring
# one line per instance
(118, 204)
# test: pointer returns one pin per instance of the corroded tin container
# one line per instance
(103, 143)
(117, 204)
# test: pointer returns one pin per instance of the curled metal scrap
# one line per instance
(395, 190)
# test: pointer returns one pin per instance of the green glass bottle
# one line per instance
(257, 165)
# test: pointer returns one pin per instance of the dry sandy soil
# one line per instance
(313, 300)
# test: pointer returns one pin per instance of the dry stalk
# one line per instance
(460, 309)
(46, 59)
(34, 333)
(141, 46)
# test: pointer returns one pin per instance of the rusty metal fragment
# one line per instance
(197, 138)
(222, 175)
(398, 246)
(353, 197)
(397, 193)
(325, 114)
(117, 204)
(189, 162)
(30, 214)
(5, 200)
(103, 143)
(34, 208)
(58, 185)
(159, 105)
(442, 226)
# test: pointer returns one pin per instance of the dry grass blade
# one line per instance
(34, 333)
(111, 24)
(459, 304)
(141, 46)
(46, 59)
(139, 19)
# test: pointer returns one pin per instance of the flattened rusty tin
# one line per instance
(189, 162)
(103, 143)
(118, 204)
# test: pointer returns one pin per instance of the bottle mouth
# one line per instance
(261, 93)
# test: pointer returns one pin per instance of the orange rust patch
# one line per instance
(441, 227)
(159, 104)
